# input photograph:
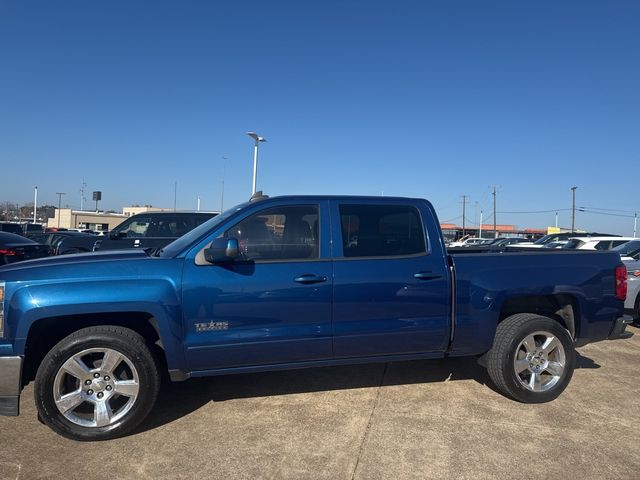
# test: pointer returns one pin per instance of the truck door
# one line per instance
(274, 306)
(391, 291)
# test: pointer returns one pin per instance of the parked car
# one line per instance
(504, 241)
(11, 228)
(595, 243)
(632, 303)
(152, 229)
(556, 244)
(67, 242)
(629, 250)
(31, 228)
(14, 248)
(292, 282)
(558, 237)
(468, 242)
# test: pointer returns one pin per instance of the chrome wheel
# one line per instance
(96, 387)
(539, 361)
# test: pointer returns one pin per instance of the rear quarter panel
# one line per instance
(485, 281)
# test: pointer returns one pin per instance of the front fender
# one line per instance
(157, 297)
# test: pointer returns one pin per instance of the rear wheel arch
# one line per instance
(532, 358)
(562, 308)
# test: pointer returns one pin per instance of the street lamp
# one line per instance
(59, 204)
(35, 203)
(257, 139)
(224, 171)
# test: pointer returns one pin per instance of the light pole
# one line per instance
(573, 210)
(224, 171)
(59, 204)
(257, 139)
(35, 203)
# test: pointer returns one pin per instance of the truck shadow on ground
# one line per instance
(180, 399)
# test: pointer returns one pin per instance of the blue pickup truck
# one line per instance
(291, 282)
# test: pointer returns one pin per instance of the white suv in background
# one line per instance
(596, 243)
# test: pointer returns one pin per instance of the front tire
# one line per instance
(532, 358)
(98, 383)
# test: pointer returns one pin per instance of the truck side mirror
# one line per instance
(222, 250)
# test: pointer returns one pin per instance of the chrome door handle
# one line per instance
(309, 278)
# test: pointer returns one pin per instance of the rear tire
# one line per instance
(532, 358)
(98, 383)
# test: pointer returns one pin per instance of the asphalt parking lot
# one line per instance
(422, 419)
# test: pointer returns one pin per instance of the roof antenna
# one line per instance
(256, 197)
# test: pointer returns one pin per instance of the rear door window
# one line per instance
(381, 231)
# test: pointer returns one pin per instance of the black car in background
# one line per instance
(31, 229)
(11, 228)
(14, 248)
(64, 242)
(152, 229)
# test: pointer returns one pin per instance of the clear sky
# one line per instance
(411, 98)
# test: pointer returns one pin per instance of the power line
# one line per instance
(608, 209)
(538, 211)
(605, 213)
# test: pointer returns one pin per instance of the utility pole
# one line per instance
(464, 212)
(198, 203)
(175, 195)
(82, 199)
(573, 211)
(59, 204)
(635, 223)
(556, 219)
(480, 234)
(495, 226)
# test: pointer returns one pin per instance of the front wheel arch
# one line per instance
(97, 383)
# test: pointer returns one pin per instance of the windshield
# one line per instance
(628, 249)
(178, 245)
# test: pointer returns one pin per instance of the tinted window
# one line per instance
(617, 243)
(629, 248)
(135, 227)
(279, 233)
(381, 231)
(171, 225)
(11, 228)
(604, 245)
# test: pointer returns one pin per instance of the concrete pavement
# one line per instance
(405, 420)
